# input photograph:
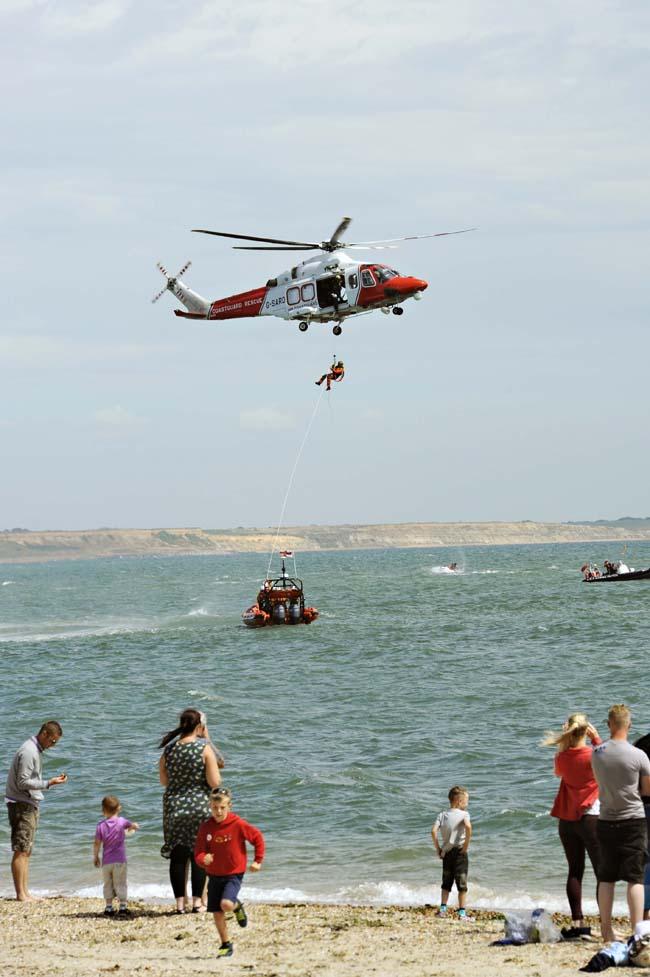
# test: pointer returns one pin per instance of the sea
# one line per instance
(341, 738)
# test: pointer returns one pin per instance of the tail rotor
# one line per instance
(171, 280)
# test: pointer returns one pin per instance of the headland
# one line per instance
(24, 546)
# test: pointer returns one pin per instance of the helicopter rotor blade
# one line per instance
(371, 247)
(341, 229)
(251, 247)
(160, 294)
(187, 265)
(249, 237)
(412, 237)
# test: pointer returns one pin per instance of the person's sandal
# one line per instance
(575, 932)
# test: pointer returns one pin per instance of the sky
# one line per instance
(516, 389)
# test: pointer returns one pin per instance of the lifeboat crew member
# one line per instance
(336, 374)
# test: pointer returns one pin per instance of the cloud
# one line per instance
(373, 414)
(266, 419)
(364, 34)
(55, 195)
(38, 352)
(83, 18)
(20, 6)
(28, 351)
(118, 417)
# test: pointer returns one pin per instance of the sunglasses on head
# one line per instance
(220, 792)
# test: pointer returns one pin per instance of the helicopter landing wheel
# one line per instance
(398, 310)
(303, 326)
(337, 330)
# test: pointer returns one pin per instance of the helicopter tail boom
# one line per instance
(243, 306)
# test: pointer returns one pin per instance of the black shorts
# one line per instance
(455, 866)
(222, 887)
(623, 850)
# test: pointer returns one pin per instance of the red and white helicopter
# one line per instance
(331, 286)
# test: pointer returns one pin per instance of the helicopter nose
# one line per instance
(408, 286)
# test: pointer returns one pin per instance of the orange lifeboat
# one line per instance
(281, 600)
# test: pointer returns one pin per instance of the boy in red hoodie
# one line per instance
(221, 850)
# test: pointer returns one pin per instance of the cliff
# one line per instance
(22, 546)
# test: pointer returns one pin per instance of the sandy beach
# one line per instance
(70, 936)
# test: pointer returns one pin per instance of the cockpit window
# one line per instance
(385, 274)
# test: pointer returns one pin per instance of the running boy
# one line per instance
(451, 835)
(221, 850)
(111, 834)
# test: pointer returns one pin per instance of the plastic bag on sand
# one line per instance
(531, 927)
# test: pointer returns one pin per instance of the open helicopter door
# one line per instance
(331, 291)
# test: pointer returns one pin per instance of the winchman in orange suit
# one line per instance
(336, 374)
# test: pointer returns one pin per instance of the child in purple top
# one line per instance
(111, 835)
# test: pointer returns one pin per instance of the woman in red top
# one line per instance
(576, 806)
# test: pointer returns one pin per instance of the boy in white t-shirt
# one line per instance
(451, 836)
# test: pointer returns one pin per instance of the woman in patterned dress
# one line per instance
(189, 768)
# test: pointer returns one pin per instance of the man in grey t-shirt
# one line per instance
(23, 794)
(623, 774)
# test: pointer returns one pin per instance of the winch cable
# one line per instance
(291, 478)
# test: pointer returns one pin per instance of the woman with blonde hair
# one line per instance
(576, 806)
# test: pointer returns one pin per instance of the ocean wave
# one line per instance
(388, 892)
(518, 812)
(65, 631)
(37, 637)
(7, 583)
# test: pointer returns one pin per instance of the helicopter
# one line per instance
(330, 286)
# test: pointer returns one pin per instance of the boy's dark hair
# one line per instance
(110, 804)
(456, 792)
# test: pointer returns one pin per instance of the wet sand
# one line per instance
(70, 936)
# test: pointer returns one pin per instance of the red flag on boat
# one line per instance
(285, 553)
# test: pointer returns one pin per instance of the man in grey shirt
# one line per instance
(623, 774)
(23, 794)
